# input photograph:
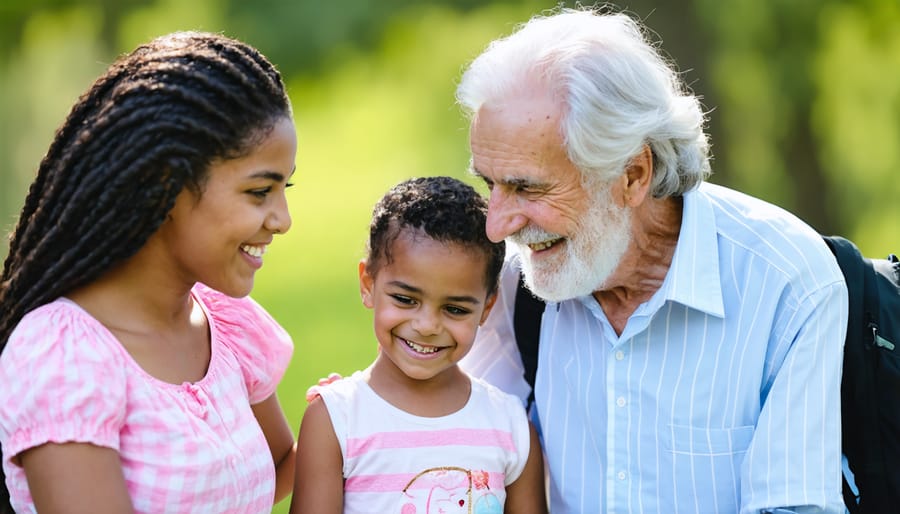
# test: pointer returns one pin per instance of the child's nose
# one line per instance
(426, 323)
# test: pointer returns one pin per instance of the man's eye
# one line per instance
(261, 192)
(526, 188)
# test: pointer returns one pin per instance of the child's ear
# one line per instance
(366, 283)
(488, 305)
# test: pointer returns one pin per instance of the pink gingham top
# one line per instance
(194, 447)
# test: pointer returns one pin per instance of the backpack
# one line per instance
(870, 384)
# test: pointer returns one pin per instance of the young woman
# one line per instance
(137, 374)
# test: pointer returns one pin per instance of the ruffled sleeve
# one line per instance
(262, 347)
(62, 382)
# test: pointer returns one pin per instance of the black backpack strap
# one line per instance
(527, 325)
(860, 426)
(881, 306)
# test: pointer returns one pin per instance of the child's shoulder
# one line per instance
(344, 388)
(495, 396)
(500, 410)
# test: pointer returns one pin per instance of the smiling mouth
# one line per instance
(421, 349)
(543, 245)
(254, 250)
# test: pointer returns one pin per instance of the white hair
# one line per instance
(618, 94)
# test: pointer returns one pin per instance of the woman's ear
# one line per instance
(488, 305)
(366, 283)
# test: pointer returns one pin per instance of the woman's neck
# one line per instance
(158, 323)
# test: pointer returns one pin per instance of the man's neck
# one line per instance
(656, 224)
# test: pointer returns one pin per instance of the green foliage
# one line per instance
(809, 110)
(57, 58)
(146, 22)
(857, 114)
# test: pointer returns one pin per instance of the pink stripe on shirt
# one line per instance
(387, 483)
(418, 439)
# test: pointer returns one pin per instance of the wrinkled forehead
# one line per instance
(516, 135)
(522, 106)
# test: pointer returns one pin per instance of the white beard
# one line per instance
(591, 254)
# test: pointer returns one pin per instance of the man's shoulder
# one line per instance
(750, 216)
(752, 232)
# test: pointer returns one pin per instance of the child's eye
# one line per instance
(405, 300)
(457, 311)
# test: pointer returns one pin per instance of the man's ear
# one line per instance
(488, 305)
(366, 284)
(637, 178)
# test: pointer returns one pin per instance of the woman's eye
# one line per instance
(261, 192)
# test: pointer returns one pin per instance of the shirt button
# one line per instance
(620, 355)
(621, 475)
(620, 401)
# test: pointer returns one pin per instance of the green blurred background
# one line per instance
(804, 101)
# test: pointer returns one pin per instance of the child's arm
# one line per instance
(319, 477)
(278, 434)
(76, 478)
(527, 494)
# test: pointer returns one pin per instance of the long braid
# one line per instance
(146, 129)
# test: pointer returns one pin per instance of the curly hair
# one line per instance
(445, 209)
(146, 129)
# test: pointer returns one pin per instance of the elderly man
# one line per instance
(691, 347)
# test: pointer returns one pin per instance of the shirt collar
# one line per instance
(693, 278)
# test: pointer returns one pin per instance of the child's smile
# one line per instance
(421, 349)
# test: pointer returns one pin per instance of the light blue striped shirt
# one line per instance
(722, 394)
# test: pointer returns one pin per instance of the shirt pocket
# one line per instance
(687, 440)
(710, 457)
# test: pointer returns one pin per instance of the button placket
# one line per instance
(197, 400)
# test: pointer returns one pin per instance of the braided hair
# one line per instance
(445, 209)
(147, 128)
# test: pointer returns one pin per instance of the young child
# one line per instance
(137, 376)
(412, 433)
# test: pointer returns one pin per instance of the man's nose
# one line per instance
(504, 216)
